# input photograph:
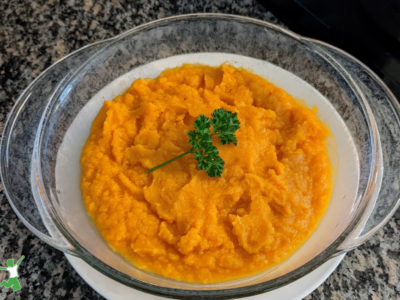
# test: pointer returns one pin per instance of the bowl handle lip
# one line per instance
(50, 240)
(55, 238)
(57, 243)
(357, 237)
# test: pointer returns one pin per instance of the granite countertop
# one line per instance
(33, 35)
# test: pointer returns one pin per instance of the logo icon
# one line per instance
(13, 274)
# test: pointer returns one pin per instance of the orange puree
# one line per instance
(177, 221)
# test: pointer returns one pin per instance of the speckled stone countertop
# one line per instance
(33, 35)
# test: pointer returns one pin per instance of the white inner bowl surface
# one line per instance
(341, 149)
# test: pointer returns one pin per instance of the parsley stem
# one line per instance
(169, 161)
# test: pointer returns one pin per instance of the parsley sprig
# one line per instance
(224, 124)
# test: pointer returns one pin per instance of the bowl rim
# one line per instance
(331, 250)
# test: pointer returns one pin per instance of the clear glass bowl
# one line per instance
(38, 122)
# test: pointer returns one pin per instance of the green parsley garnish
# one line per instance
(224, 123)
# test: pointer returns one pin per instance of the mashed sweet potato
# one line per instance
(177, 221)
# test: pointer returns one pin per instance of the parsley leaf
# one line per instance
(224, 124)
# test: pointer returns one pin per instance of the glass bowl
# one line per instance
(37, 125)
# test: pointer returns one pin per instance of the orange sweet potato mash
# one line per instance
(177, 221)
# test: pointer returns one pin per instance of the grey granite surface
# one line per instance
(35, 34)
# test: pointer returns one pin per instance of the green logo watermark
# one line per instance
(13, 274)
